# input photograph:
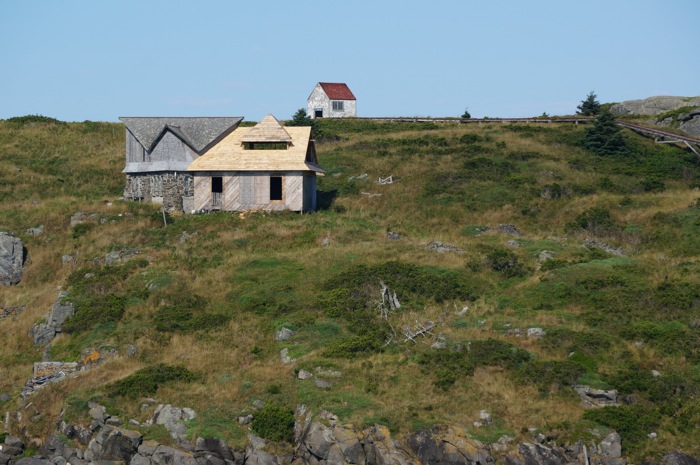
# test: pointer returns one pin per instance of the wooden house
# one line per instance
(331, 100)
(159, 151)
(264, 167)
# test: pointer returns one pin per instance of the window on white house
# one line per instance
(337, 105)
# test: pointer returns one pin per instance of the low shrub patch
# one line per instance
(275, 424)
(147, 380)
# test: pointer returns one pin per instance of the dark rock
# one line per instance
(139, 459)
(14, 441)
(4, 459)
(118, 444)
(448, 446)
(52, 447)
(33, 461)
(165, 455)
(11, 450)
(12, 256)
(214, 446)
(679, 458)
(535, 454)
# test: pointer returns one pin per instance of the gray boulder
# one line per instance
(165, 455)
(679, 458)
(12, 256)
(448, 446)
(33, 461)
(213, 446)
(43, 333)
(173, 418)
(535, 454)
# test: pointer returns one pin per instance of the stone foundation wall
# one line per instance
(167, 189)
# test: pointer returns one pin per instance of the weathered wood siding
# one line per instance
(202, 192)
(251, 191)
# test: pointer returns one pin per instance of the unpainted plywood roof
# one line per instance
(269, 129)
(230, 154)
(198, 133)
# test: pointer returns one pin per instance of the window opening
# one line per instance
(264, 145)
(275, 187)
(337, 105)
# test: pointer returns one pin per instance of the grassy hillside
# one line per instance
(208, 292)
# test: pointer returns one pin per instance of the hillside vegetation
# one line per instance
(607, 266)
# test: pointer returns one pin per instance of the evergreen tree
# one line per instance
(300, 118)
(604, 137)
(466, 114)
(590, 106)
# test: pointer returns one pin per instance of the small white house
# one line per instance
(331, 100)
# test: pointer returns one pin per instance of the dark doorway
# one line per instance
(217, 187)
(275, 187)
(318, 113)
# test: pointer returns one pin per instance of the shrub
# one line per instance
(275, 424)
(505, 262)
(95, 309)
(632, 422)
(147, 380)
(553, 373)
(596, 221)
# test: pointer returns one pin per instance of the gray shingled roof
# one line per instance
(197, 132)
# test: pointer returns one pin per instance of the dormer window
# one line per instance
(265, 145)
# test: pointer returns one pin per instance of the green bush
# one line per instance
(274, 424)
(595, 220)
(96, 309)
(146, 381)
(505, 262)
(551, 374)
(632, 422)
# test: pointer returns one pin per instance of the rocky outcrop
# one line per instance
(653, 105)
(318, 441)
(688, 121)
(45, 332)
(12, 255)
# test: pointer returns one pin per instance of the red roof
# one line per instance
(337, 91)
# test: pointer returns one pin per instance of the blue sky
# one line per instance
(79, 60)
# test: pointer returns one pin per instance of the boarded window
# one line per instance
(275, 187)
(337, 105)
